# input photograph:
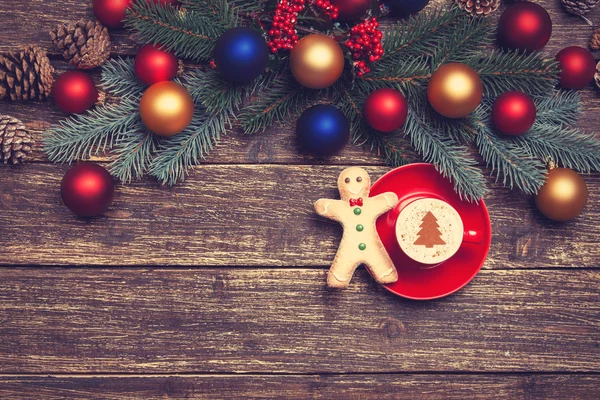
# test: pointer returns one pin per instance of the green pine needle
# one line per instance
(119, 78)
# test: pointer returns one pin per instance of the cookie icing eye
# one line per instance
(347, 180)
(359, 179)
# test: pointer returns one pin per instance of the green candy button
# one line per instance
(362, 246)
(357, 211)
(360, 228)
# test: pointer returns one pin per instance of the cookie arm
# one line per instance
(384, 202)
(328, 208)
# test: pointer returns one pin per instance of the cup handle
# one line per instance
(472, 237)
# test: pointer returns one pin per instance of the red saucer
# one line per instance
(425, 282)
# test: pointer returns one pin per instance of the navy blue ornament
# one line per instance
(403, 8)
(241, 55)
(322, 130)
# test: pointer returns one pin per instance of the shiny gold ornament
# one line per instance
(317, 61)
(455, 90)
(166, 108)
(563, 196)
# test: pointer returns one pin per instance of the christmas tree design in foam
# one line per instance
(429, 235)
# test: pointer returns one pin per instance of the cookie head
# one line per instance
(354, 182)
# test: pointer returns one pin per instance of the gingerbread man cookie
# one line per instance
(357, 212)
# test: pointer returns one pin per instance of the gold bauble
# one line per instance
(563, 196)
(166, 108)
(317, 61)
(455, 90)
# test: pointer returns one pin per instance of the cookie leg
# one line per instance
(382, 267)
(341, 272)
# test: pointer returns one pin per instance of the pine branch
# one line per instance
(134, 152)
(502, 72)
(119, 77)
(213, 93)
(188, 34)
(465, 42)
(559, 109)
(83, 136)
(227, 12)
(400, 76)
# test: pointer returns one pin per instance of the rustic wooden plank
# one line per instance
(286, 321)
(326, 387)
(247, 215)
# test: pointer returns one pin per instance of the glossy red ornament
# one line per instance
(514, 113)
(111, 12)
(578, 67)
(524, 26)
(87, 189)
(351, 10)
(74, 92)
(426, 282)
(386, 110)
(153, 65)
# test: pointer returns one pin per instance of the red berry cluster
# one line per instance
(364, 42)
(330, 10)
(283, 35)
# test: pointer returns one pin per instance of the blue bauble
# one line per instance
(241, 55)
(404, 8)
(322, 130)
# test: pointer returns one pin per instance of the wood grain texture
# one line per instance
(246, 215)
(286, 321)
(325, 387)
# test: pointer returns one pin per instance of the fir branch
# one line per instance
(398, 76)
(502, 72)
(508, 161)
(83, 136)
(451, 160)
(227, 12)
(464, 42)
(568, 147)
(134, 152)
(188, 34)
(558, 109)
(179, 153)
(215, 94)
(119, 77)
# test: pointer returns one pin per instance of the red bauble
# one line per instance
(87, 189)
(386, 110)
(111, 12)
(153, 65)
(578, 67)
(74, 92)
(524, 26)
(351, 10)
(514, 113)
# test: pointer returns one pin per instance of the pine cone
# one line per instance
(479, 7)
(15, 140)
(86, 44)
(579, 7)
(595, 40)
(25, 75)
(597, 75)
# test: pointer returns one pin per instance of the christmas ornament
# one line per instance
(87, 190)
(386, 110)
(478, 7)
(514, 113)
(166, 108)
(26, 75)
(154, 65)
(317, 61)
(85, 44)
(322, 130)
(403, 8)
(111, 12)
(364, 41)
(351, 10)
(578, 67)
(563, 196)
(241, 55)
(455, 90)
(524, 26)
(74, 92)
(595, 40)
(579, 7)
(15, 140)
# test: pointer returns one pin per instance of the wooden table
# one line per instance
(216, 288)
